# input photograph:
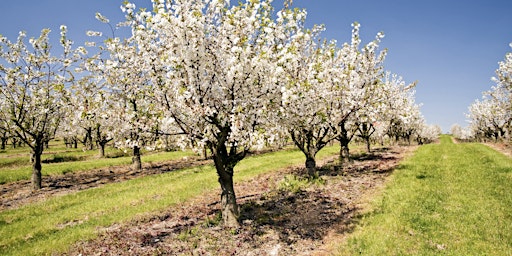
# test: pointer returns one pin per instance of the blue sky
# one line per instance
(452, 48)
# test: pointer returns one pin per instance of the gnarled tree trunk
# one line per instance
(229, 207)
(224, 164)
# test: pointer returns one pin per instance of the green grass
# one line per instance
(55, 224)
(449, 199)
(24, 172)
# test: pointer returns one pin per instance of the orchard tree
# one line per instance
(503, 76)
(215, 76)
(491, 116)
(368, 117)
(116, 95)
(133, 111)
(33, 89)
(308, 67)
(488, 118)
(360, 71)
(5, 134)
(461, 133)
(90, 110)
(400, 109)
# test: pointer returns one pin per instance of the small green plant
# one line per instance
(215, 221)
(188, 233)
(295, 184)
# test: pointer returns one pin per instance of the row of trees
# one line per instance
(491, 116)
(206, 74)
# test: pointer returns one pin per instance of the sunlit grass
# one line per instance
(23, 172)
(55, 224)
(449, 199)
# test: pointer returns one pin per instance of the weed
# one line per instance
(188, 233)
(215, 221)
(295, 184)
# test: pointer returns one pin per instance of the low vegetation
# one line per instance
(450, 199)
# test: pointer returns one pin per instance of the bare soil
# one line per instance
(274, 221)
(502, 147)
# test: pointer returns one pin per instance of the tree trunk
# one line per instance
(136, 162)
(311, 166)
(88, 138)
(205, 152)
(344, 149)
(368, 145)
(344, 140)
(36, 165)
(4, 142)
(345, 152)
(101, 148)
(229, 207)
(224, 164)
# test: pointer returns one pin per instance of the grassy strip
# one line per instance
(55, 224)
(24, 173)
(56, 146)
(450, 199)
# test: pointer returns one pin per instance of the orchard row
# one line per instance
(205, 74)
(491, 116)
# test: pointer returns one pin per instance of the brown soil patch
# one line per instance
(274, 221)
(502, 147)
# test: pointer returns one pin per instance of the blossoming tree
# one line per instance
(491, 117)
(360, 71)
(33, 89)
(214, 74)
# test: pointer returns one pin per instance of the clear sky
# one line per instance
(451, 47)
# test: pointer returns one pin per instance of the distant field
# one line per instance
(448, 199)
(15, 163)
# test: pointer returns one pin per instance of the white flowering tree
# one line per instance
(401, 115)
(130, 96)
(115, 96)
(367, 118)
(491, 117)
(90, 110)
(214, 74)
(503, 76)
(33, 89)
(309, 70)
(427, 133)
(5, 135)
(461, 133)
(360, 71)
